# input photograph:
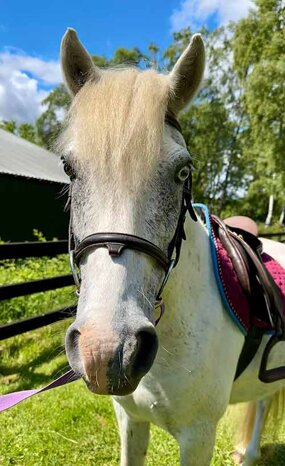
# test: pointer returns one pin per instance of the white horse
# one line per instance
(128, 167)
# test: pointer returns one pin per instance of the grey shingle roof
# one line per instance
(22, 158)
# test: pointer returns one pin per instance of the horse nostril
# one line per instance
(147, 345)
(74, 337)
(71, 341)
(73, 351)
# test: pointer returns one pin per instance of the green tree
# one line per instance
(180, 41)
(133, 57)
(101, 61)
(27, 131)
(9, 125)
(259, 53)
(214, 125)
(48, 124)
(153, 59)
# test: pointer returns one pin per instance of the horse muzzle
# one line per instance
(108, 362)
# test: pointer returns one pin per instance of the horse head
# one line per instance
(128, 168)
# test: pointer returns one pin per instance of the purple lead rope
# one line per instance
(11, 399)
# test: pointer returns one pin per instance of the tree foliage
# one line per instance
(25, 130)
(213, 127)
(49, 123)
(259, 54)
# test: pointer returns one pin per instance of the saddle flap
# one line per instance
(238, 259)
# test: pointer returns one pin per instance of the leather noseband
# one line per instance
(116, 242)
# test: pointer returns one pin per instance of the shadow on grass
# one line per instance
(28, 375)
(272, 455)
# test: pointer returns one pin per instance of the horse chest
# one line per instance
(171, 394)
(156, 403)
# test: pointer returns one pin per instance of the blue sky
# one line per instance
(31, 31)
(37, 27)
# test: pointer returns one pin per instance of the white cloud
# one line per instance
(195, 13)
(22, 81)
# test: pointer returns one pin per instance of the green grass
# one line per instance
(22, 270)
(70, 426)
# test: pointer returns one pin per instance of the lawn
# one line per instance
(70, 426)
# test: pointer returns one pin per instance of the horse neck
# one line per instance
(195, 330)
(192, 292)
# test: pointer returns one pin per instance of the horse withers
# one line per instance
(129, 168)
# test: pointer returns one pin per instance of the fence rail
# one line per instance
(32, 323)
(34, 249)
(280, 234)
(34, 286)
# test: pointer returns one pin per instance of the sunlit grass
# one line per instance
(24, 270)
(70, 426)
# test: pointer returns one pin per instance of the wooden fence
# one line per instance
(279, 236)
(34, 249)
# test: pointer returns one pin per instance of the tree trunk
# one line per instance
(268, 220)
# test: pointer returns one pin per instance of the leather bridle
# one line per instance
(115, 243)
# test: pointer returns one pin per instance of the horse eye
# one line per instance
(68, 169)
(183, 173)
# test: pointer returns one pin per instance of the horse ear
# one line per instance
(187, 74)
(77, 65)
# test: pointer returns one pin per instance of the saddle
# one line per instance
(238, 236)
